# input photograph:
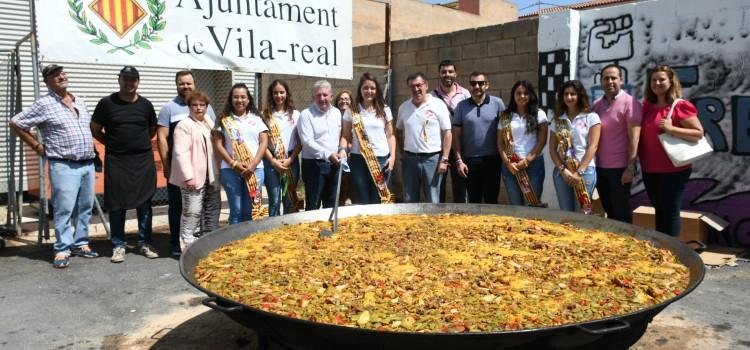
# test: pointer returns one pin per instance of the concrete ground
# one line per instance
(146, 304)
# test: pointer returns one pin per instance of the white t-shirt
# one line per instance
(288, 128)
(523, 142)
(250, 128)
(374, 128)
(423, 125)
(579, 128)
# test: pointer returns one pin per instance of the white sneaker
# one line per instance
(118, 255)
(148, 251)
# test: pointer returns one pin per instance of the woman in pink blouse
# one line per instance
(195, 171)
(664, 182)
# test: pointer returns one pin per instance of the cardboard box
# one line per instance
(695, 225)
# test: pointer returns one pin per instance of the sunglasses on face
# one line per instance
(477, 82)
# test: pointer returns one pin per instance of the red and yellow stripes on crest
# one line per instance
(120, 15)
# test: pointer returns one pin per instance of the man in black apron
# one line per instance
(125, 123)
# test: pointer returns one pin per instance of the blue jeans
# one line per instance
(117, 225)
(615, 196)
(175, 214)
(566, 196)
(72, 200)
(320, 178)
(273, 187)
(367, 192)
(665, 191)
(536, 174)
(238, 196)
(420, 173)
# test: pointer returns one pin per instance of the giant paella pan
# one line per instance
(612, 331)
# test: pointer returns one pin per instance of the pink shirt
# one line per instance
(650, 151)
(615, 117)
(460, 95)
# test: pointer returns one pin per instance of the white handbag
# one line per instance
(680, 151)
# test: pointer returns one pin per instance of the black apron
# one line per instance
(129, 180)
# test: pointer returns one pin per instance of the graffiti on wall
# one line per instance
(709, 55)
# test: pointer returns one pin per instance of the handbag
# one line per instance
(681, 151)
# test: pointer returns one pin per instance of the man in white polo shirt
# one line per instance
(424, 130)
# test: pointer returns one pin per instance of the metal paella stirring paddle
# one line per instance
(343, 166)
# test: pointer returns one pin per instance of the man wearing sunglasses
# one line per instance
(474, 141)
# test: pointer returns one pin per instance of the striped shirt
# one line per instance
(64, 134)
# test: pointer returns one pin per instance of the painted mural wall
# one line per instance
(708, 42)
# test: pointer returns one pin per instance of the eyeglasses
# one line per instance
(477, 82)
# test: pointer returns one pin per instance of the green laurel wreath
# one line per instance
(141, 38)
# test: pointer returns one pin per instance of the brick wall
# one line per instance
(505, 52)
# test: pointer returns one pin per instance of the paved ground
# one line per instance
(145, 304)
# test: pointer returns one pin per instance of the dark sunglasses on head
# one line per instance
(477, 82)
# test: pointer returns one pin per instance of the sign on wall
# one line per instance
(709, 55)
(271, 36)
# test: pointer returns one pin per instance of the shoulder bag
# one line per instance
(680, 151)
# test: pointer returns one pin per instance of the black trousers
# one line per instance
(483, 182)
(614, 195)
(458, 183)
(665, 191)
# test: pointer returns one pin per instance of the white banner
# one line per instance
(305, 37)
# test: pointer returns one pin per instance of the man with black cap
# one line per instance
(67, 144)
(125, 122)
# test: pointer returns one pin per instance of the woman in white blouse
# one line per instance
(377, 127)
(573, 117)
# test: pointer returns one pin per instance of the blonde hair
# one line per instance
(675, 88)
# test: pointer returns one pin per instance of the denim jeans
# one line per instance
(238, 196)
(615, 196)
(174, 213)
(320, 178)
(72, 200)
(536, 174)
(117, 225)
(483, 181)
(273, 187)
(566, 196)
(420, 174)
(367, 192)
(665, 191)
(200, 213)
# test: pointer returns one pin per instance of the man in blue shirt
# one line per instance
(67, 144)
(475, 140)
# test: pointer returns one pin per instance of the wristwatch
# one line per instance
(445, 160)
(580, 172)
(561, 167)
(459, 161)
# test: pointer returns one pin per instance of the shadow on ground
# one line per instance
(209, 330)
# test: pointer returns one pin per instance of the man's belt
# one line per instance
(77, 161)
(422, 154)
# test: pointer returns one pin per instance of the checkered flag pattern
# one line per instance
(554, 70)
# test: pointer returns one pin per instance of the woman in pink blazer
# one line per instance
(195, 171)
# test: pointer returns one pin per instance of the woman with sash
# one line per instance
(574, 139)
(368, 127)
(194, 171)
(239, 140)
(521, 136)
(281, 162)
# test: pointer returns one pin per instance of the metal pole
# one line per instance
(43, 225)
